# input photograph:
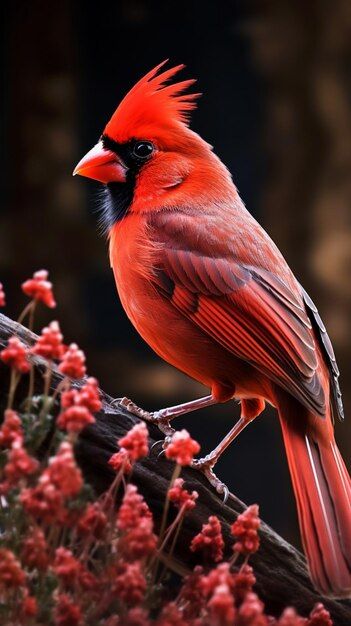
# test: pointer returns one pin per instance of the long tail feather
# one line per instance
(322, 489)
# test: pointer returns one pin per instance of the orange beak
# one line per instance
(102, 165)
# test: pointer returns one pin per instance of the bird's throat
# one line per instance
(115, 203)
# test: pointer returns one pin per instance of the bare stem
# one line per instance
(175, 475)
(27, 310)
(14, 380)
(30, 387)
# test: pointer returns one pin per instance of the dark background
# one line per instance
(276, 106)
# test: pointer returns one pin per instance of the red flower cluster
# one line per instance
(2, 296)
(40, 288)
(29, 607)
(251, 611)
(75, 419)
(67, 612)
(129, 584)
(78, 405)
(244, 580)
(135, 442)
(182, 498)
(49, 345)
(63, 472)
(73, 362)
(221, 606)
(35, 554)
(182, 448)
(89, 395)
(19, 464)
(93, 521)
(290, 617)
(245, 530)
(132, 510)
(209, 540)
(43, 502)
(66, 567)
(192, 593)
(138, 542)
(12, 575)
(320, 616)
(171, 615)
(134, 521)
(120, 461)
(11, 429)
(220, 575)
(15, 355)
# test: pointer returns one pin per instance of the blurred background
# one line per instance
(276, 82)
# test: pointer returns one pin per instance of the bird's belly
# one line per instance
(170, 334)
(179, 342)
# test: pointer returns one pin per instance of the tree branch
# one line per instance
(280, 569)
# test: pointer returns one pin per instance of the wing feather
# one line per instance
(251, 313)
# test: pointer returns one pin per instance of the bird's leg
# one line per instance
(163, 417)
(250, 409)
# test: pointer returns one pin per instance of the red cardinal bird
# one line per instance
(208, 290)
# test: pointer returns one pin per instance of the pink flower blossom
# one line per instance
(93, 521)
(15, 355)
(66, 566)
(138, 542)
(35, 550)
(19, 464)
(209, 540)
(29, 607)
(120, 460)
(89, 395)
(221, 606)
(192, 595)
(136, 442)
(171, 615)
(251, 612)
(290, 617)
(132, 510)
(73, 362)
(182, 448)
(220, 575)
(49, 345)
(67, 612)
(43, 502)
(11, 429)
(129, 584)
(39, 288)
(12, 575)
(244, 580)
(320, 616)
(63, 471)
(245, 529)
(75, 419)
(182, 498)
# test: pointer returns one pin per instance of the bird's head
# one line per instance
(147, 152)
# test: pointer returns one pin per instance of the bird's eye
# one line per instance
(143, 149)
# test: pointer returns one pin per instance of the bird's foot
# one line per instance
(155, 417)
(205, 465)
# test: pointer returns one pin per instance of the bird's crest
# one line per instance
(152, 104)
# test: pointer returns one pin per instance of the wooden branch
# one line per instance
(282, 579)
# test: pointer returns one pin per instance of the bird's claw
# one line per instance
(156, 418)
(205, 465)
(164, 442)
(129, 405)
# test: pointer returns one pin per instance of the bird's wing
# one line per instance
(250, 312)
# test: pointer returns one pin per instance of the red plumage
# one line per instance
(209, 291)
